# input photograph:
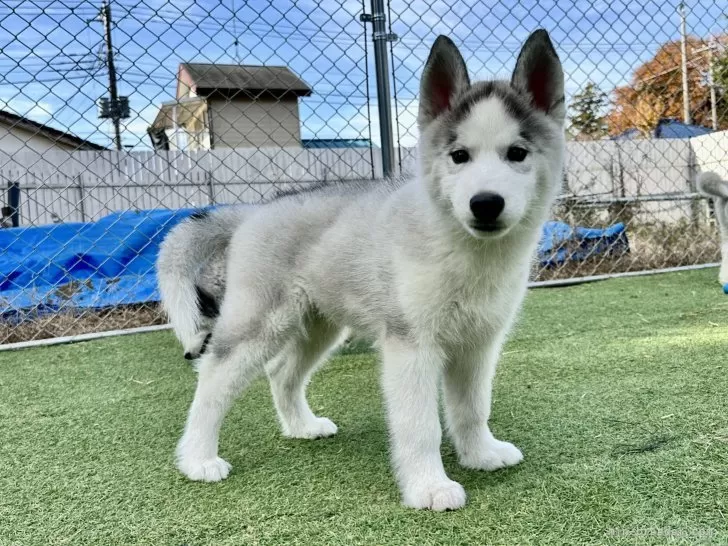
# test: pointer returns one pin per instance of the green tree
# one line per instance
(587, 118)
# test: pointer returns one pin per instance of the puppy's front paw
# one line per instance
(438, 496)
(493, 455)
(210, 470)
(320, 427)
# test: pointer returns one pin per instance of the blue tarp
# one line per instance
(561, 243)
(111, 262)
(88, 265)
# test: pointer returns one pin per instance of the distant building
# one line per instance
(18, 133)
(231, 106)
(334, 143)
(666, 128)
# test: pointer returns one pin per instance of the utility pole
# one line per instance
(115, 107)
(711, 82)
(113, 94)
(684, 65)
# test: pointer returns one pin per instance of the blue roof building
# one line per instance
(666, 128)
(336, 143)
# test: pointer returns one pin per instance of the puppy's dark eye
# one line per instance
(460, 156)
(516, 154)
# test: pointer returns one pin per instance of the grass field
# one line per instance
(616, 392)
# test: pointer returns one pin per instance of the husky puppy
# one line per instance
(433, 268)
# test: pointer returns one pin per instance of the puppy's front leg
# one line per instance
(410, 380)
(468, 386)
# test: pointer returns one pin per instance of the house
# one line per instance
(18, 133)
(666, 128)
(231, 106)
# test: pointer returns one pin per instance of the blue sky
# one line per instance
(49, 69)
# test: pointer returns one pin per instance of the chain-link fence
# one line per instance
(119, 119)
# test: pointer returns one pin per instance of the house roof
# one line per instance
(210, 77)
(179, 111)
(50, 133)
(672, 128)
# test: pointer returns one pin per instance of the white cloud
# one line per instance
(40, 111)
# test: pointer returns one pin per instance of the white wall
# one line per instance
(241, 123)
(16, 140)
(88, 184)
(711, 152)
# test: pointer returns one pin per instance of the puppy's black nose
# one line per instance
(486, 207)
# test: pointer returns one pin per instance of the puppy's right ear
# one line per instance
(445, 77)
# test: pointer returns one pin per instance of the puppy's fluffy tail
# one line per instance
(191, 271)
(709, 183)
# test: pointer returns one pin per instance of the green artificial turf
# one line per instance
(616, 392)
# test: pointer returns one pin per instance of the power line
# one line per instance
(235, 35)
(38, 68)
(98, 66)
(42, 2)
(16, 83)
(206, 22)
(162, 16)
(344, 38)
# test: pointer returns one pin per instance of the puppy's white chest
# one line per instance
(454, 307)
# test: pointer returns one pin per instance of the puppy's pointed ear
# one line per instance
(445, 77)
(538, 73)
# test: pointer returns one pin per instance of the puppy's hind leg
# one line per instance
(238, 351)
(289, 374)
(721, 214)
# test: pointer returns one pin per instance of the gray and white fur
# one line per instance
(712, 185)
(191, 273)
(433, 268)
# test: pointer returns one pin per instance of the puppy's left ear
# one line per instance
(538, 73)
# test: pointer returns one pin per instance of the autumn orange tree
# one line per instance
(655, 91)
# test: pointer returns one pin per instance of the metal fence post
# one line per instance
(14, 202)
(210, 187)
(81, 198)
(381, 37)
